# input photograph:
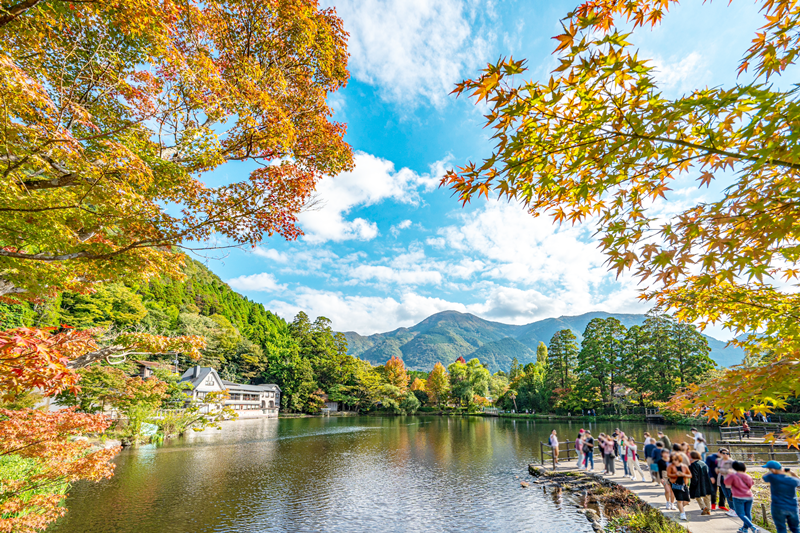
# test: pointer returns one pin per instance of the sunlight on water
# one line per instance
(332, 474)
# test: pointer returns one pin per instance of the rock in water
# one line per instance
(524, 484)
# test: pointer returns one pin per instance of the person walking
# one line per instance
(623, 455)
(664, 440)
(579, 442)
(740, 484)
(678, 473)
(655, 456)
(701, 488)
(554, 445)
(783, 493)
(608, 456)
(649, 445)
(633, 458)
(588, 450)
(663, 465)
(725, 468)
(746, 429)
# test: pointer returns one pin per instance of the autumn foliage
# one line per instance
(598, 141)
(396, 374)
(113, 114)
(39, 455)
(40, 446)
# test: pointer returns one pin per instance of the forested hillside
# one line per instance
(448, 335)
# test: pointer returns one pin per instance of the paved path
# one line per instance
(653, 494)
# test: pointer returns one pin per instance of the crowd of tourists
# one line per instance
(687, 471)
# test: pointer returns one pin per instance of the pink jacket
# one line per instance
(740, 485)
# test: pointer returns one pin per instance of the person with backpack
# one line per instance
(783, 486)
(655, 457)
(740, 485)
(701, 487)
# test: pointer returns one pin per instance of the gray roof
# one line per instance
(196, 374)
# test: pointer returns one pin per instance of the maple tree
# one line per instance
(45, 458)
(396, 375)
(114, 114)
(598, 140)
(438, 385)
(39, 454)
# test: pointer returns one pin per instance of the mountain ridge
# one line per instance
(444, 336)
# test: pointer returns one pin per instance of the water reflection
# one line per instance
(334, 474)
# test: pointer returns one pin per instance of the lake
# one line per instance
(416, 473)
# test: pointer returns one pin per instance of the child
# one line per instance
(740, 484)
(655, 456)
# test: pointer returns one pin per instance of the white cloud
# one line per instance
(263, 282)
(274, 255)
(364, 314)
(390, 275)
(681, 75)
(415, 50)
(372, 181)
(397, 228)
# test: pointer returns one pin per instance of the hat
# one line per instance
(775, 465)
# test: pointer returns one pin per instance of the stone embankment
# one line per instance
(616, 494)
(592, 490)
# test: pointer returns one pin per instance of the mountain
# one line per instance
(445, 336)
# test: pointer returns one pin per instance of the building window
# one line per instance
(209, 381)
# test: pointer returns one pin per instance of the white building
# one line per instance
(249, 401)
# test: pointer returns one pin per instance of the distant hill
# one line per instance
(445, 336)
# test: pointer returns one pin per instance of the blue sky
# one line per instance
(385, 247)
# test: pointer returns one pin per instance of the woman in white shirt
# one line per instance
(633, 458)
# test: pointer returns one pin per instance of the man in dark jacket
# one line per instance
(701, 487)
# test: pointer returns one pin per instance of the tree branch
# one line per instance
(12, 12)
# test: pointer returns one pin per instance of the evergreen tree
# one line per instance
(563, 357)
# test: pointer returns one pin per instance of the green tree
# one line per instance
(599, 359)
(563, 357)
(541, 355)
(111, 304)
(600, 128)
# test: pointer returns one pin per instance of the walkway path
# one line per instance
(653, 494)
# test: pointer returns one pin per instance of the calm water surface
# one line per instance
(335, 474)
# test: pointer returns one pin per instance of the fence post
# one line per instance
(764, 514)
(739, 431)
(553, 454)
(568, 447)
(772, 451)
(541, 452)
